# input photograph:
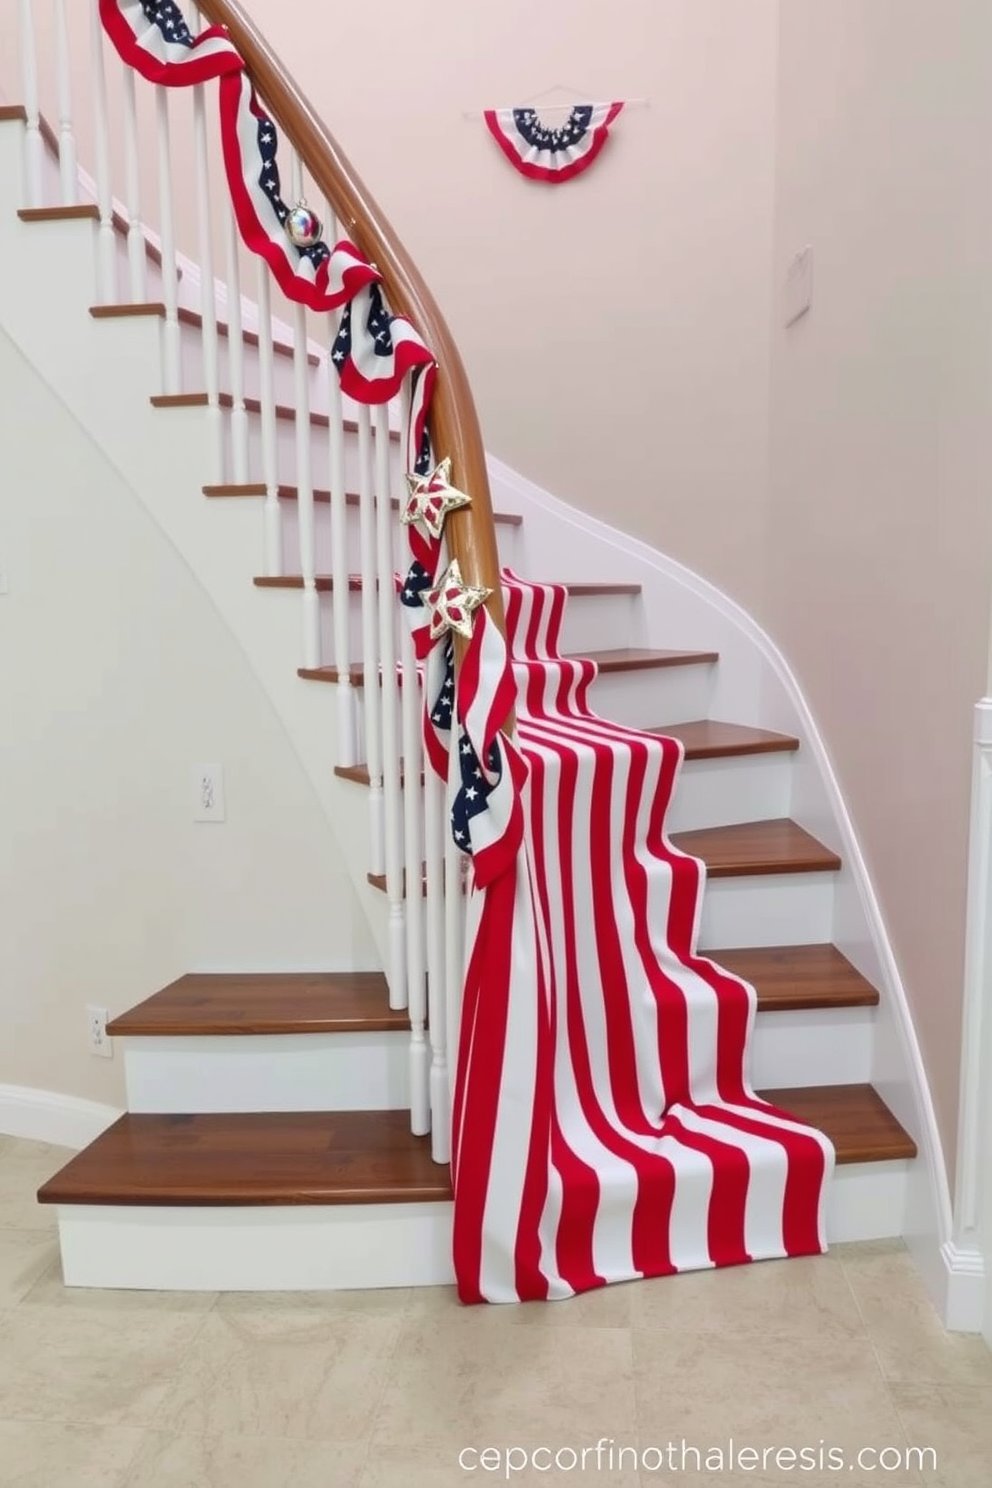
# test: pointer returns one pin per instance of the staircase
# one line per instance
(268, 1141)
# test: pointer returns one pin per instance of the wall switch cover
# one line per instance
(799, 286)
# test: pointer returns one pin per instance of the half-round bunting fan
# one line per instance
(552, 155)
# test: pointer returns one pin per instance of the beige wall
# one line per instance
(117, 676)
(878, 532)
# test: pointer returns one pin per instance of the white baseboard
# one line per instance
(45, 1116)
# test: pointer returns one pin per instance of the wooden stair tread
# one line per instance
(325, 584)
(854, 1117)
(253, 405)
(255, 1158)
(11, 113)
(627, 659)
(291, 493)
(264, 1003)
(776, 846)
(798, 977)
(638, 658)
(359, 1157)
(703, 739)
(708, 738)
(156, 309)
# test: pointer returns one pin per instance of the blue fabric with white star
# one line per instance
(543, 138)
(169, 20)
(473, 796)
(377, 324)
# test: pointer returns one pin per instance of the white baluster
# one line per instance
(413, 826)
(347, 712)
(440, 1094)
(455, 874)
(172, 375)
(370, 643)
(34, 145)
(106, 243)
(68, 172)
(208, 288)
(304, 490)
(236, 352)
(392, 788)
(136, 247)
(270, 463)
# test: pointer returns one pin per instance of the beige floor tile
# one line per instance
(437, 1466)
(956, 1423)
(481, 1386)
(389, 1302)
(43, 1454)
(607, 1307)
(807, 1297)
(903, 1325)
(104, 1366)
(283, 1372)
(51, 1291)
(243, 1462)
(24, 1256)
(24, 1167)
(781, 1393)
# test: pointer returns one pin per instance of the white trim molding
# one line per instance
(967, 1253)
(46, 1116)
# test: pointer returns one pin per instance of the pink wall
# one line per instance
(879, 529)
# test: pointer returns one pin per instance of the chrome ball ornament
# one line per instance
(303, 227)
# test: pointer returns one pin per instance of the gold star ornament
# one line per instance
(431, 498)
(451, 603)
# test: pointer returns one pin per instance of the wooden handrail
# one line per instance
(454, 423)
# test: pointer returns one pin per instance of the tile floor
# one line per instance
(385, 1389)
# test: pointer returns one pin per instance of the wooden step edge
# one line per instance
(80, 213)
(325, 583)
(257, 488)
(13, 113)
(240, 1004)
(253, 405)
(854, 1117)
(639, 659)
(800, 978)
(707, 738)
(759, 848)
(257, 1159)
(361, 1157)
(151, 308)
(156, 309)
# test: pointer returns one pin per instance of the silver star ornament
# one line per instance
(431, 498)
(451, 603)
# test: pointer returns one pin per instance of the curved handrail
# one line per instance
(454, 423)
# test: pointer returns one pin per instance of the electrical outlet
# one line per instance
(208, 793)
(100, 1041)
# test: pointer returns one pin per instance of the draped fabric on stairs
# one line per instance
(605, 1127)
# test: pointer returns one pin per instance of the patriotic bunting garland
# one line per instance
(552, 155)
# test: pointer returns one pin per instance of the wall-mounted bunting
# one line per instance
(550, 154)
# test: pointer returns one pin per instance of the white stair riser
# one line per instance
(348, 1247)
(647, 699)
(297, 1072)
(819, 1046)
(768, 909)
(724, 792)
(598, 622)
(369, 1072)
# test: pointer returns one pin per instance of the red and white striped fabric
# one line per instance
(604, 1125)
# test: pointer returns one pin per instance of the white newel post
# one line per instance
(969, 1252)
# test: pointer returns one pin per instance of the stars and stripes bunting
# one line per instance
(552, 155)
(604, 1125)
